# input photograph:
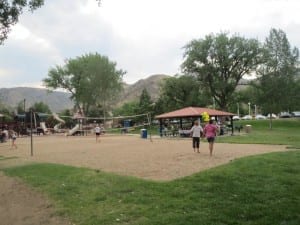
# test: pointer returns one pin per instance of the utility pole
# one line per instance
(249, 104)
(31, 138)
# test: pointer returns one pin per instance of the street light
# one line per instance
(249, 104)
(238, 109)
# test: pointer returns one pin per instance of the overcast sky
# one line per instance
(144, 37)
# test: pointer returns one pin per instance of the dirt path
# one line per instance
(162, 159)
(20, 205)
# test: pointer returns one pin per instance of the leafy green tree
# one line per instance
(277, 84)
(145, 102)
(219, 62)
(181, 91)
(41, 107)
(20, 107)
(7, 113)
(239, 104)
(128, 108)
(91, 79)
(10, 12)
(295, 94)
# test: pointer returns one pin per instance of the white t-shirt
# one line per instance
(97, 129)
(196, 131)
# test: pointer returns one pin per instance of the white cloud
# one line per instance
(143, 37)
(19, 32)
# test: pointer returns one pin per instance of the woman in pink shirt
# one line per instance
(210, 132)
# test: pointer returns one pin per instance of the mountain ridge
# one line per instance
(58, 101)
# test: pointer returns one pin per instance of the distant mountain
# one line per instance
(58, 101)
(133, 92)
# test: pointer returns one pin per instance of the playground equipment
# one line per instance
(44, 128)
(56, 128)
(74, 130)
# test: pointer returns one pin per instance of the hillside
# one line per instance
(133, 92)
(58, 101)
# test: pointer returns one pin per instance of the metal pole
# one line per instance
(149, 124)
(24, 122)
(31, 139)
(249, 104)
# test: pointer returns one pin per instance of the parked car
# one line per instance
(247, 117)
(260, 117)
(236, 118)
(285, 115)
(274, 116)
(296, 114)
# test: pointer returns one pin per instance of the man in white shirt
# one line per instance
(196, 134)
(97, 131)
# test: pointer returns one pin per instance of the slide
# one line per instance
(57, 126)
(73, 130)
(43, 126)
(57, 118)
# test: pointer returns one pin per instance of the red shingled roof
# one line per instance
(193, 112)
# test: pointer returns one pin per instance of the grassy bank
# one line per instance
(284, 132)
(258, 190)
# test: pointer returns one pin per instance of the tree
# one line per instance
(219, 62)
(10, 12)
(41, 107)
(145, 102)
(21, 107)
(181, 91)
(128, 108)
(277, 88)
(92, 80)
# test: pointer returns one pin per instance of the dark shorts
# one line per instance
(97, 134)
(196, 142)
(211, 139)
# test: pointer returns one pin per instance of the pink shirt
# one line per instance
(210, 130)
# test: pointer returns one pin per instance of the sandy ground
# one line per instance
(161, 159)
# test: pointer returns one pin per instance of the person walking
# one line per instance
(210, 132)
(97, 131)
(13, 140)
(196, 131)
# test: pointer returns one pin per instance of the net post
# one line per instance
(31, 138)
(149, 127)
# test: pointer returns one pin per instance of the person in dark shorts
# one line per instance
(97, 131)
(13, 140)
(210, 132)
(196, 134)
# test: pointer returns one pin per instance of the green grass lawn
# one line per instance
(255, 190)
(258, 190)
(284, 132)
